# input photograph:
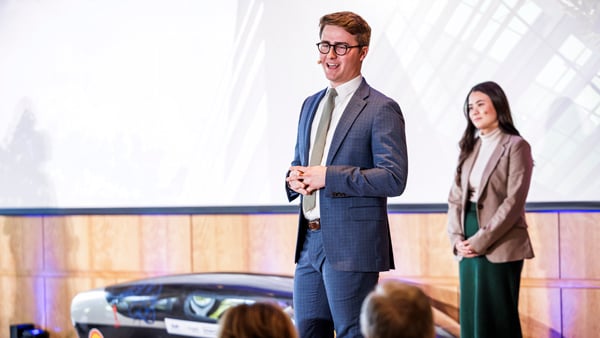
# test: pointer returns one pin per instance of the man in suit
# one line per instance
(344, 239)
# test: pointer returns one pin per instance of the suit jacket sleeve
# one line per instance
(385, 174)
(455, 213)
(300, 153)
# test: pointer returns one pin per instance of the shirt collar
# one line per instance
(349, 87)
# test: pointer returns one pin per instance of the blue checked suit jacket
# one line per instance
(366, 164)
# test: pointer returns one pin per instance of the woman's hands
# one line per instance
(464, 249)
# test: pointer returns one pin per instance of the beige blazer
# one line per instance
(502, 235)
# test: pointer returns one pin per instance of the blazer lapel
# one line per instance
(311, 111)
(466, 171)
(493, 161)
(355, 106)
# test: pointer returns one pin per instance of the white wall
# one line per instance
(154, 103)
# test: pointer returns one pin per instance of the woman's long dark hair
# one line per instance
(505, 121)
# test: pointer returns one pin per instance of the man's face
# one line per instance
(341, 68)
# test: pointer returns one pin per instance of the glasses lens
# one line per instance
(341, 49)
(323, 47)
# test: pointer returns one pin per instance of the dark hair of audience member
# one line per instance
(397, 310)
(258, 320)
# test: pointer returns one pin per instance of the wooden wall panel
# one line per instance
(67, 244)
(539, 309)
(543, 231)
(579, 238)
(46, 261)
(21, 250)
(421, 245)
(580, 312)
(241, 243)
(115, 243)
(137, 244)
(166, 244)
(220, 243)
(22, 302)
(272, 244)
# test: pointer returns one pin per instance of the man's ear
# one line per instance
(363, 52)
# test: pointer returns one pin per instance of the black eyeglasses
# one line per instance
(339, 48)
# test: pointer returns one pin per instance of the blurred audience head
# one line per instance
(258, 320)
(398, 310)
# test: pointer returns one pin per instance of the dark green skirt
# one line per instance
(489, 293)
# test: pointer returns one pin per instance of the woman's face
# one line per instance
(482, 112)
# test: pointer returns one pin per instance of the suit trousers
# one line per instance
(489, 293)
(326, 299)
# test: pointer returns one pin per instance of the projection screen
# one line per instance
(184, 103)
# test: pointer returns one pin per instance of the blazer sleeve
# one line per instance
(386, 174)
(291, 194)
(455, 212)
(511, 191)
(301, 148)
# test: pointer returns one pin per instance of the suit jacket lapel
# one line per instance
(355, 106)
(311, 111)
(493, 161)
(466, 171)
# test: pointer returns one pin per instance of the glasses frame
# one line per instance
(335, 46)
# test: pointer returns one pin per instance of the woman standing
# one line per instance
(486, 215)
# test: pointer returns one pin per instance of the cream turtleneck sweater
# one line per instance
(489, 142)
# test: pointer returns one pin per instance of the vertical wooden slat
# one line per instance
(543, 230)
(539, 309)
(580, 312)
(67, 244)
(21, 250)
(579, 238)
(272, 244)
(421, 245)
(165, 244)
(23, 302)
(220, 243)
(115, 243)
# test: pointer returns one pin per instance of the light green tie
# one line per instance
(318, 148)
